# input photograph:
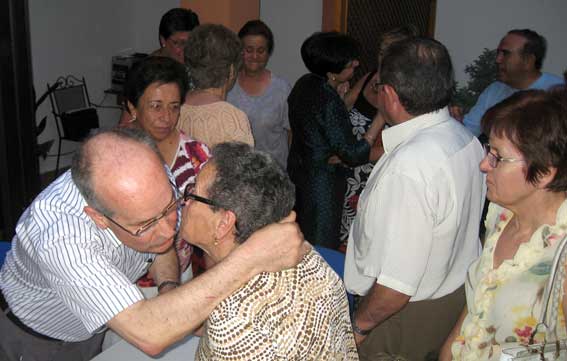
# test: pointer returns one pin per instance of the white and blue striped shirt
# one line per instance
(64, 277)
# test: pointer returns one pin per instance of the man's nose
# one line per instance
(499, 58)
(168, 224)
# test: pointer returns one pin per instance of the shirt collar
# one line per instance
(394, 136)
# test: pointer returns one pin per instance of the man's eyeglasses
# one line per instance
(179, 44)
(175, 204)
(188, 194)
(494, 159)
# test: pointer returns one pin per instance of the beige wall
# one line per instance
(230, 13)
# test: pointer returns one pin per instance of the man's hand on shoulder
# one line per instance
(275, 247)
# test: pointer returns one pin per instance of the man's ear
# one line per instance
(226, 224)
(98, 218)
(529, 60)
(131, 108)
(391, 96)
(161, 41)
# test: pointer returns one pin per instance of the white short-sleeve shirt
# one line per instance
(416, 229)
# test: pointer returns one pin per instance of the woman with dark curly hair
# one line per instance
(322, 136)
(214, 55)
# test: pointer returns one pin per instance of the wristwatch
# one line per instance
(360, 331)
(167, 283)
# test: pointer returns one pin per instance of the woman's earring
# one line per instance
(133, 119)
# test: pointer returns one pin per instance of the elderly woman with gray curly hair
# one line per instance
(300, 313)
(214, 57)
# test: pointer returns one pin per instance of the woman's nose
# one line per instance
(484, 165)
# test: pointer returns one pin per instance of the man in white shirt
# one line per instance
(84, 241)
(416, 230)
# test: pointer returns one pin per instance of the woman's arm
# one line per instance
(352, 94)
(445, 354)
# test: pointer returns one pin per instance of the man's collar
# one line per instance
(531, 79)
(397, 134)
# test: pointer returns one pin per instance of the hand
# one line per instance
(334, 160)
(275, 247)
(343, 88)
(456, 112)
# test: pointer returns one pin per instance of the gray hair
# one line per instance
(211, 50)
(251, 184)
(82, 164)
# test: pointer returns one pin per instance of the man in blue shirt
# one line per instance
(519, 59)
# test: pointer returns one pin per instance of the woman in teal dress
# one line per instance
(322, 139)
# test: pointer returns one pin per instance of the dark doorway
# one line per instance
(19, 168)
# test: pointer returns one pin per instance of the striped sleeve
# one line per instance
(92, 287)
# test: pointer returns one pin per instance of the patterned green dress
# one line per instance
(321, 128)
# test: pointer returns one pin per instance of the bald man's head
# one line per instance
(115, 162)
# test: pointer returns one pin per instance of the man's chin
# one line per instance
(164, 247)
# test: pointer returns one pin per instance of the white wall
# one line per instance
(291, 21)
(467, 27)
(79, 37)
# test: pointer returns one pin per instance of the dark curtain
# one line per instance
(19, 168)
(368, 19)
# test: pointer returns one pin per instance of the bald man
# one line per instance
(84, 241)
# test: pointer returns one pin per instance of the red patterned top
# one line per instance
(190, 158)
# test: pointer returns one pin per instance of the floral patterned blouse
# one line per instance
(504, 304)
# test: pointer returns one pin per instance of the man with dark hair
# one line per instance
(416, 230)
(85, 240)
(519, 59)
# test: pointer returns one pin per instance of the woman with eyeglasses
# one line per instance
(526, 176)
(362, 100)
(297, 314)
(174, 28)
(154, 92)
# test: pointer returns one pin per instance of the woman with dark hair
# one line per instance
(214, 58)
(153, 92)
(261, 94)
(174, 29)
(526, 177)
(362, 101)
(322, 135)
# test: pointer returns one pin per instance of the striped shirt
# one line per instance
(64, 277)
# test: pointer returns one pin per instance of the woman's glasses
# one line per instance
(494, 159)
(188, 194)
